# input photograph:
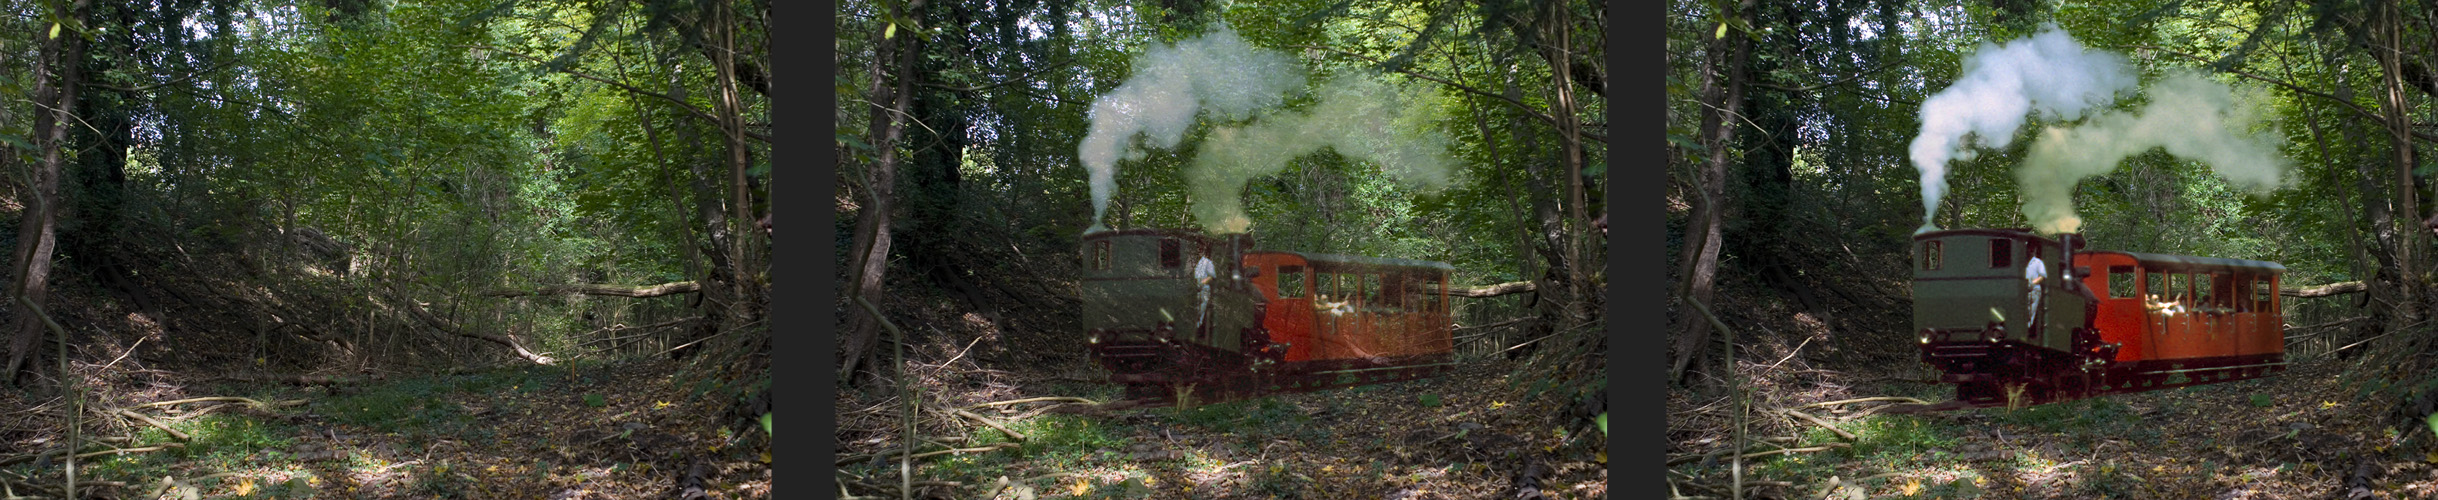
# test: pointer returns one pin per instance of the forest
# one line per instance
(1816, 148)
(992, 156)
(374, 249)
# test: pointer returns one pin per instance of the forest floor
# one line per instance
(2310, 432)
(584, 430)
(1480, 431)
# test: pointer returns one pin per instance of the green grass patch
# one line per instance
(414, 405)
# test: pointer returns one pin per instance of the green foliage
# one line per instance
(2263, 401)
(1065, 437)
(595, 400)
(1428, 400)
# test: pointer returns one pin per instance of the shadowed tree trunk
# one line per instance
(55, 89)
(1722, 91)
(871, 252)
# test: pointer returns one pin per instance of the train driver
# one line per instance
(2033, 272)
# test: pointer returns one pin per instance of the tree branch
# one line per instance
(1519, 105)
(681, 103)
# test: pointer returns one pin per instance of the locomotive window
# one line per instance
(1170, 249)
(1931, 255)
(1100, 255)
(1291, 281)
(2001, 252)
(2120, 282)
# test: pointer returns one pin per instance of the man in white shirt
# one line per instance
(1203, 274)
(2033, 272)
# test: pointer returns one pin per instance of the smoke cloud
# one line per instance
(1359, 116)
(1169, 87)
(2189, 115)
(2048, 73)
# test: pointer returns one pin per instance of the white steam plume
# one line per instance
(2189, 115)
(1170, 85)
(1360, 117)
(2048, 72)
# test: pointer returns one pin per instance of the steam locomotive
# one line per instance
(2103, 322)
(1269, 322)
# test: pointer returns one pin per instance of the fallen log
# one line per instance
(1508, 288)
(416, 309)
(2326, 290)
(640, 292)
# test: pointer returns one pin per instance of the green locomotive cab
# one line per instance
(1146, 315)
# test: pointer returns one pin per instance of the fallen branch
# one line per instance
(1822, 423)
(2326, 290)
(2328, 324)
(1012, 435)
(640, 292)
(1900, 399)
(884, 455)
(416, 309)
(1034, 400)
(1508, 288)
(234, 399)
(1763, 453)
(173, 432)
(286, 379)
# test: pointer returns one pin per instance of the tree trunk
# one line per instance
(38, 226)
(1723, 93)
(745, 263)
(871, 250)
(1559, 54)
(2399, 125)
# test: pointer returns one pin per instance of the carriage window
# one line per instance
(1393, 291)
(2201, 287)
(1350, 287)
(1170, 249)
(1930, 255)
(2001, 252)
(2242, 294)
(2120, 282)
(1100, 255)
(1291, 281)
(2262, 291)
(2179, 287)
(1320, 286)
(1371, 291)
(1430, 294)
